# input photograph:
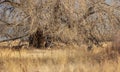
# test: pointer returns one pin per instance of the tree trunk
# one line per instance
(37, 39)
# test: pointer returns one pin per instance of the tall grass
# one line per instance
(70, 59)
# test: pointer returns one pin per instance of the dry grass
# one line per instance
(59, 59)
(66, 23)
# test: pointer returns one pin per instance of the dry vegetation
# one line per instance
(81, 32)
(70, 58)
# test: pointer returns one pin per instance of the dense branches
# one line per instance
(80, 21)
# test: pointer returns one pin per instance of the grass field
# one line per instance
(59, 59)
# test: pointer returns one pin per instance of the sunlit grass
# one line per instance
(70, 59)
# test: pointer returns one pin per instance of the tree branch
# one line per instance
(12, 39)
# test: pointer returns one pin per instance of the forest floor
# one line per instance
(59, 59)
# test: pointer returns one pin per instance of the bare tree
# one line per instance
(67, 21)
